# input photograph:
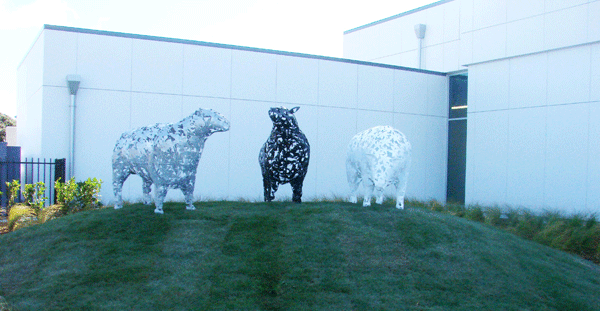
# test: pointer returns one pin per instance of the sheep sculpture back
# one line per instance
(166, 155)
(379, 157)
(285, 155)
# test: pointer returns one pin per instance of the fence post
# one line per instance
(59, 172)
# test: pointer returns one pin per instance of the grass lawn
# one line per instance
(284, 256)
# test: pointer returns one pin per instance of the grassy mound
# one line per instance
(283, 256)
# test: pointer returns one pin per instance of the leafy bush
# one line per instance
(33, 210)
(12, 188)
(74, 197)
(34, 195)
(475, 213)
(88, 193)
(4, 122)
(71, 197)
(65, 193)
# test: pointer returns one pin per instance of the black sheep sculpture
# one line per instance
(284, 157)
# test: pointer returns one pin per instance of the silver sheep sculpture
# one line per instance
(379, 157)
(166, 155)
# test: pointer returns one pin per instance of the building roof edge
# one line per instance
(397, 16)
(233, 47)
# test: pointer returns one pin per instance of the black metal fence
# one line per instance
(31, 171)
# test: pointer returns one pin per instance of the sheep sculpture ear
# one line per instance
(293, 110)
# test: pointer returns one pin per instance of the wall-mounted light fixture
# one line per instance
(73, 84)
(420, 32)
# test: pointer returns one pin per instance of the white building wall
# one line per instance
(464, 32)
(532, 136)
(393, 41)
(129, 81)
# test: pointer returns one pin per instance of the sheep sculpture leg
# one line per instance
(188, 192)
(354, 180)
(270, 189)
(369, 188)
(297, 189)
(401, 188)
(146, 188)
(159, 198)
(119, 178)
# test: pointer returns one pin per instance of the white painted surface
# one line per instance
(528, 81)
(485, 30)
(375, 88)
(569, 76)
(206, 71)
(526, 157)
(253, 76)
(157, 67)
(106, 61)
(548, 131)
(338, 84)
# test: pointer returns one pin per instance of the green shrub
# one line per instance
(33, 210)
(527, 225)
(12, 188)
(475, 213)
(494, 216)
(74, 197)
(574, 234)
(88, 193)
(65, 193)
(34, 195)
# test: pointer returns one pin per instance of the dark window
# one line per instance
(458, 97)
(457, 140)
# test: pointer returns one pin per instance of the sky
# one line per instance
(308, 26)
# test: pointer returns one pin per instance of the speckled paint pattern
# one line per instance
(378, 157)
(166, 155)
(285, 155)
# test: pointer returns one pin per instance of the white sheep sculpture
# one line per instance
(379, 157)
(166, 155)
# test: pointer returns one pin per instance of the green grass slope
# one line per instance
(283, 256)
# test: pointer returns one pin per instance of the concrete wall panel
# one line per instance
(338, 84)
(60, 57)
(410, 92)
(593, 182)
(375, 88)
(518, 9)
(569, 76)
(206, 71)
(491, 142)
(297, 80)
(253, 76)
(105, 62)
(526, 157)
(523, 36)
(157, 67)
(566, 156)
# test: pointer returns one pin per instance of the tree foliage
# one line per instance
(5, 121)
